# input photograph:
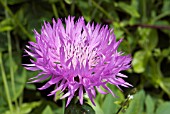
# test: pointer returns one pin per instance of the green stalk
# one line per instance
(17, 45)
(167, 13)
(72, 7)
(11, 61)
(11, 66)
(63, 7)
(144, 19)
(63, 106)
(95, 10)
(54, 10)
(102, 10)
(127, 100)
(21, 100)
(6, 85)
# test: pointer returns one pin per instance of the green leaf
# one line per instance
(5, 28)
(139, 61)
(6, 25)
(97, 108)
(166, 4)
(164, 108)
(68, 1)
(166, 81)
(108, 105)
(26, 108)
(136, 105)
(6, 21)
(30, 86)
(128, 9)
(166, 52)
(153, 72)
(119, 33)
(47, 110)
(19, 15)
(149, 105)
(165, 87)
(3, 109)
(111, 104)
(152, 39)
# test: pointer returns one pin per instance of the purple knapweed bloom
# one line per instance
(77, 58)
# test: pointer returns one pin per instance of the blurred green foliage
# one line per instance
(144, 25)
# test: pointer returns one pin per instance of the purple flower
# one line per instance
(77, 58)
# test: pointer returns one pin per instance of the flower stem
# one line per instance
(127, 100)
(6, 85)
(54, 10)
(72, 7)
(63, 105)
(63, 7)
(122, 106)
(102, 10)
(11, 60)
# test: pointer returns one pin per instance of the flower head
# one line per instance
(78, 58)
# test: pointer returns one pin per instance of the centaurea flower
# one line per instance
(78, 58)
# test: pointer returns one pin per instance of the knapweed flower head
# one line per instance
(77, 58)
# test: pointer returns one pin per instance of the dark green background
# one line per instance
(144, 25)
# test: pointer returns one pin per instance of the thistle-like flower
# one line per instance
(77, 58)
